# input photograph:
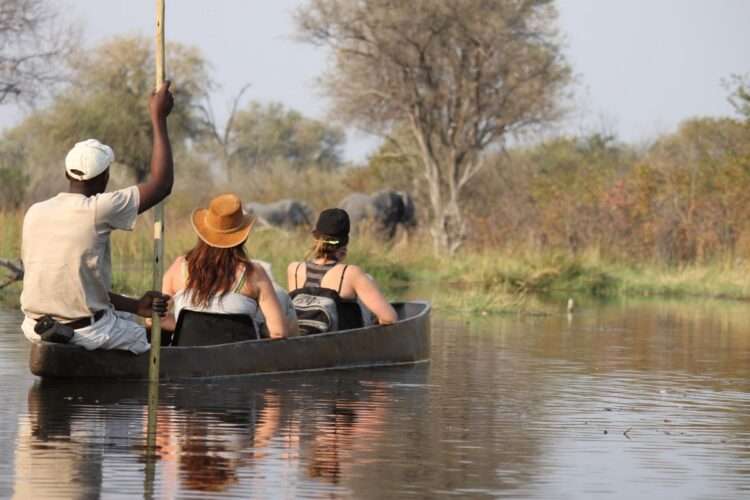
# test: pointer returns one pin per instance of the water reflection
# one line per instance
(623, 400)
(211, 437)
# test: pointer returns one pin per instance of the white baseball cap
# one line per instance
(88, 159)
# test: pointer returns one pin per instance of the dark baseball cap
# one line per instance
(333, 224)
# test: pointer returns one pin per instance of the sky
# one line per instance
(645, 65)
(641, 66)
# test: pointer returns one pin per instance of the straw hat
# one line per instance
(222, 224)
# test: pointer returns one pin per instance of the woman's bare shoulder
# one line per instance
(176, 263)
(179, 260)
(255, 271)
(354, 270)
(174, 280)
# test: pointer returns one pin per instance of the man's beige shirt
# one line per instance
(66, 252)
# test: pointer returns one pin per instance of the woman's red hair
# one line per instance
(212, 271)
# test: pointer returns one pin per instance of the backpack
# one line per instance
(317, 309)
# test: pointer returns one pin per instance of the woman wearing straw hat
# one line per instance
(326, 292)
(217, 276)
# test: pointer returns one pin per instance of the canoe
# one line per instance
(405, 342)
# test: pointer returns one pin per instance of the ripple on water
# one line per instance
(646, 400)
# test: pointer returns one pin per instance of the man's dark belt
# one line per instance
(84, 322)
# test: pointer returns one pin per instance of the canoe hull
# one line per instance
(406, 341)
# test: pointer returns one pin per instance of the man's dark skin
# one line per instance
(155, 189)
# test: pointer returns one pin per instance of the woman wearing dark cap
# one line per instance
(216, 275)
(323, 281)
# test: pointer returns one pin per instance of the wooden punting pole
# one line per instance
(153, 373)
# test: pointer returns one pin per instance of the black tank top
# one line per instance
(350, 313)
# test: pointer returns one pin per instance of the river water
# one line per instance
(620, 401)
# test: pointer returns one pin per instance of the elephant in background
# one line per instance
(284, 214)
(384, 210)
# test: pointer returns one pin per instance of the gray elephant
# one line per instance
(285, 214)
(384, 211)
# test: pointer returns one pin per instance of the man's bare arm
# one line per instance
(160, 181)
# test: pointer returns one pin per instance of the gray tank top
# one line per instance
(315, 272)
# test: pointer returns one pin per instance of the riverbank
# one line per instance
(476, 280)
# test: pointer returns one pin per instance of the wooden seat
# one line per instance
(202, 328)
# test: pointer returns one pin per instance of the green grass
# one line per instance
(475, 281)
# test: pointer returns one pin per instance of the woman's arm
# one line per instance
(167, 322)
(367, 291)
(173, 281)
(293, 326)
(269, 304)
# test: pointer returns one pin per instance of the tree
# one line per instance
(569, 188)
(27, 156)
(702, 173)
(13, 179)
(739, 85)
(390, 166)
(261, 134)
(221, 141)
(461, 75)
(108, 99)
(33, 43)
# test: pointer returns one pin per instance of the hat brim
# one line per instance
(342, 239)
(83, 177)
(216, 239)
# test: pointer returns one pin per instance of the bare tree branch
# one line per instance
(34, 45)
(15, 271)
(233, 112)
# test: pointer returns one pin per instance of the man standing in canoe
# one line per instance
(66, 248)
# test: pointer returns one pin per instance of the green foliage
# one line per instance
(269, 133)
(739, 86)
(697, 190)
(108, 99)
(12, 187)
(13, 180)
(684, 199)
(394, 165)
(571, 176)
